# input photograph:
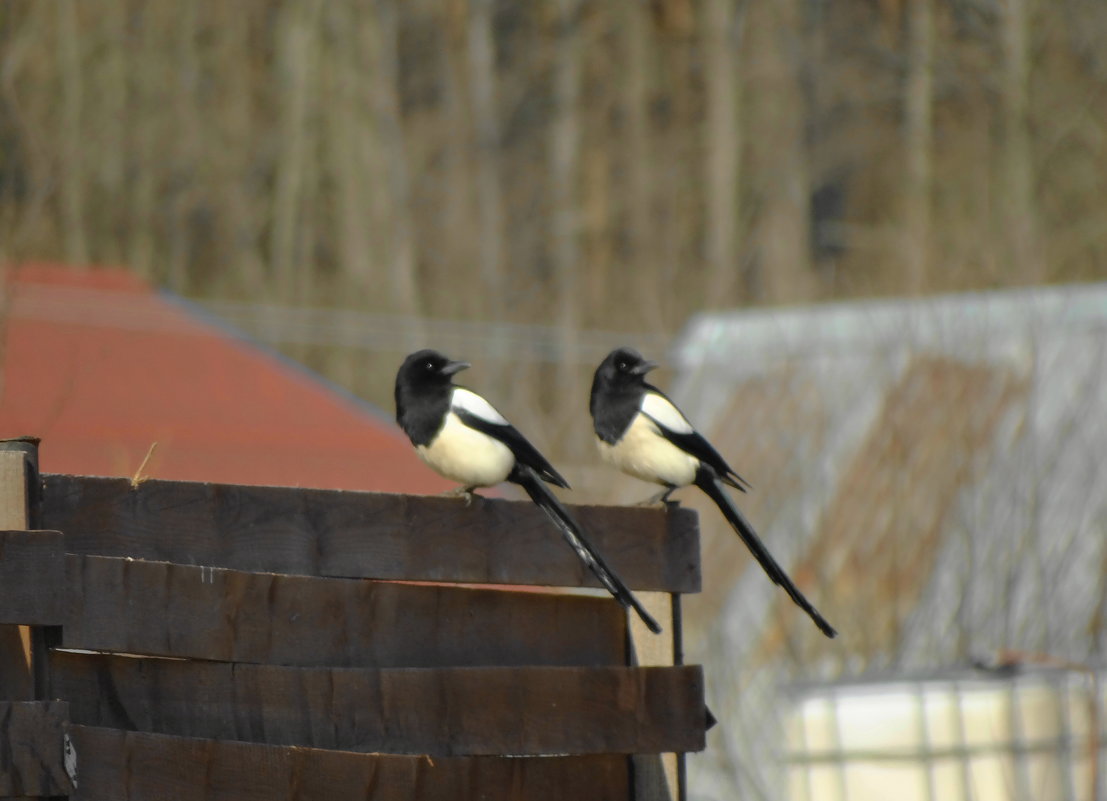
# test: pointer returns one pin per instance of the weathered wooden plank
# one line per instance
(132, 606)
(32, 577)
(441, 712)
(31, 748)
(135, 766)
(366, 535)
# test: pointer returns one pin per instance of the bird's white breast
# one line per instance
(644, 453)
(467, 456)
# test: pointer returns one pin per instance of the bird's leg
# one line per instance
(462, 492)
(662, 498)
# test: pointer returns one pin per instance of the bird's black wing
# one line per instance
(477, 413)
(674, 426)
(527, 478)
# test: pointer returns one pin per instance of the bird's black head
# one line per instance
(428, 368)
(423, 387)
(624, 367)
(617, 390)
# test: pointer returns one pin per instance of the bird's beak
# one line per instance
(455, 367)
(644, 368)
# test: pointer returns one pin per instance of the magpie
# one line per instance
(641, 432)
(462, 437)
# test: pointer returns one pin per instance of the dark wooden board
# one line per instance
(32, 577)
(365, 534)
(134, 766)
(31, 761)
(441, 712)
(132, 606)
(16, 680)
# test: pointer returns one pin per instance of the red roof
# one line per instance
(100, 365)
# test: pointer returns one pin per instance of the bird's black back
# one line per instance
(422, 396)
(616, 396)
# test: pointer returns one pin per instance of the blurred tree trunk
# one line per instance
(296, 63)
(482, 81)
(724, 149)
(394, 193)
(680, 195)
(918, 142)
(1019, 229)
(640, 259)
(187, 160)
(141, 143)
(782, 236)
(351, 130)
(111, 28)
(457, 138)
(600, 230)
(71, 173)
(350, 137)
(243, 219)
(564, 166)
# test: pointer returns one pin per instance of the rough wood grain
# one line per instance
(134, 766)
(366, 535)
(32, 577)
(441, 712)
(14, 513)
(165, 609)
(31, 748)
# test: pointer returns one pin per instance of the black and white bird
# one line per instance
(645, 435)
(461, 436)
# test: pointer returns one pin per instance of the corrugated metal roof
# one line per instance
(930, 472)
(100, 366)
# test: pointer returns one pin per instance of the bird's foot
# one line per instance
(661, 498)
(462, 492)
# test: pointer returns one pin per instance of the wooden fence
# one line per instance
(178, 640)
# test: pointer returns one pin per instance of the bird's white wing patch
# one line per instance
(662, 411)
(475, 405)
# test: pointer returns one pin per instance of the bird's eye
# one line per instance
(430, 365)
(622, 365)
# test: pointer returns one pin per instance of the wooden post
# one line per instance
(20, 508)
(24, 649)
(16, 469)
(21, 492)
(18, 460)
(657, 777)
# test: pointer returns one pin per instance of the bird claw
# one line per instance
(462, 492)
(661, 498)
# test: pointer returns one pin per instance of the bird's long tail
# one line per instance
(553, 508)
(709, 483)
